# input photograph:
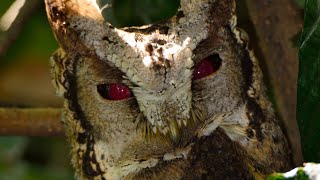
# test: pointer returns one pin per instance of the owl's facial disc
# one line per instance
(158, 107)
(169, 110)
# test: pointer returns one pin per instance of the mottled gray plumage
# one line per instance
(174, 126)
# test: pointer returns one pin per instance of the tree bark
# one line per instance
(276, 23)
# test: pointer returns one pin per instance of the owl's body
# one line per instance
(178, 100)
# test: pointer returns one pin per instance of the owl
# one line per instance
(180, 99)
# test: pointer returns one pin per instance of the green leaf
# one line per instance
(309, 171)
(308, 107)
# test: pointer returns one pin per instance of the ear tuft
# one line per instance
(222, 13)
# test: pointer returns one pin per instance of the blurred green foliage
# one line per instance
(308, 109)
(122, 13)
(35, 40)
(34, 158)
(300, 2)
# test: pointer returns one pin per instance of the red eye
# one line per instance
(114, 91)
(207, 66)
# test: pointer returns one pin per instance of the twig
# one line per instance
(30, 122)
(276, 23)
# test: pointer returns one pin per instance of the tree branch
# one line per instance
(30, 122)
(276, 23)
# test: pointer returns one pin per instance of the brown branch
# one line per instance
(276, 23)
(30, 122)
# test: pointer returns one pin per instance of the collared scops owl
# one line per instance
(181, 99)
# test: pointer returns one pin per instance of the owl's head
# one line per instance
(135, 95)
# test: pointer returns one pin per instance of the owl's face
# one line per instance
(140, 96)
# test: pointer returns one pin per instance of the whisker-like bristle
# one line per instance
(198, 113)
